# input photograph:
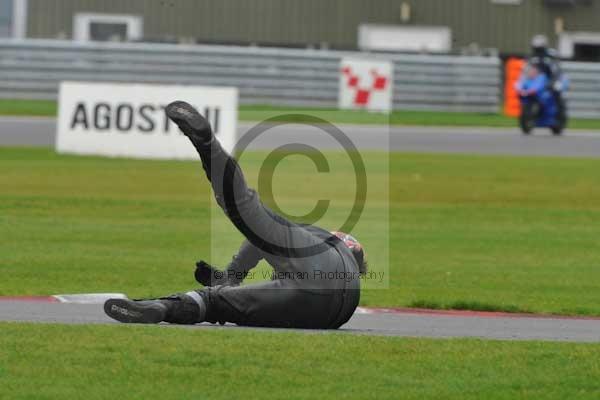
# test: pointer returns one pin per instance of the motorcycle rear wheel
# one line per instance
(558, 128)
(561, 123)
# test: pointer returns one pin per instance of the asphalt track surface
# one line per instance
(406, 323)
(501, 141)
(41, 132)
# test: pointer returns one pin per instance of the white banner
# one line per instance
(129, 120)
(366, 85)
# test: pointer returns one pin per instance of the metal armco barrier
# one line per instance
(584, 91)
(32, 69)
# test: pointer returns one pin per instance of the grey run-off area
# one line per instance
(405, 324)
(504, 141)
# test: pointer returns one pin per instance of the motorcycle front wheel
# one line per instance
(528, 117)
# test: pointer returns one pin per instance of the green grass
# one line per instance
(419, 118)
(33, 108)
(148, 362)
(494, 233)
(486, 233)
(47, 108)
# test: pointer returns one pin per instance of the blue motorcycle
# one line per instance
(540, 105)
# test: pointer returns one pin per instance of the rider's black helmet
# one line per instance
(539, 45)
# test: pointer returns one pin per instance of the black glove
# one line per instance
(208, 275)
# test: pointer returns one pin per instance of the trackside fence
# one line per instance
(33, 69)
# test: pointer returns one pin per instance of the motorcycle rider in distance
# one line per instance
(545, 60)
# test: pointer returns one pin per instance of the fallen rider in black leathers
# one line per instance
(316, 273)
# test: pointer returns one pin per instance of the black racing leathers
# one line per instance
(315, 282)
